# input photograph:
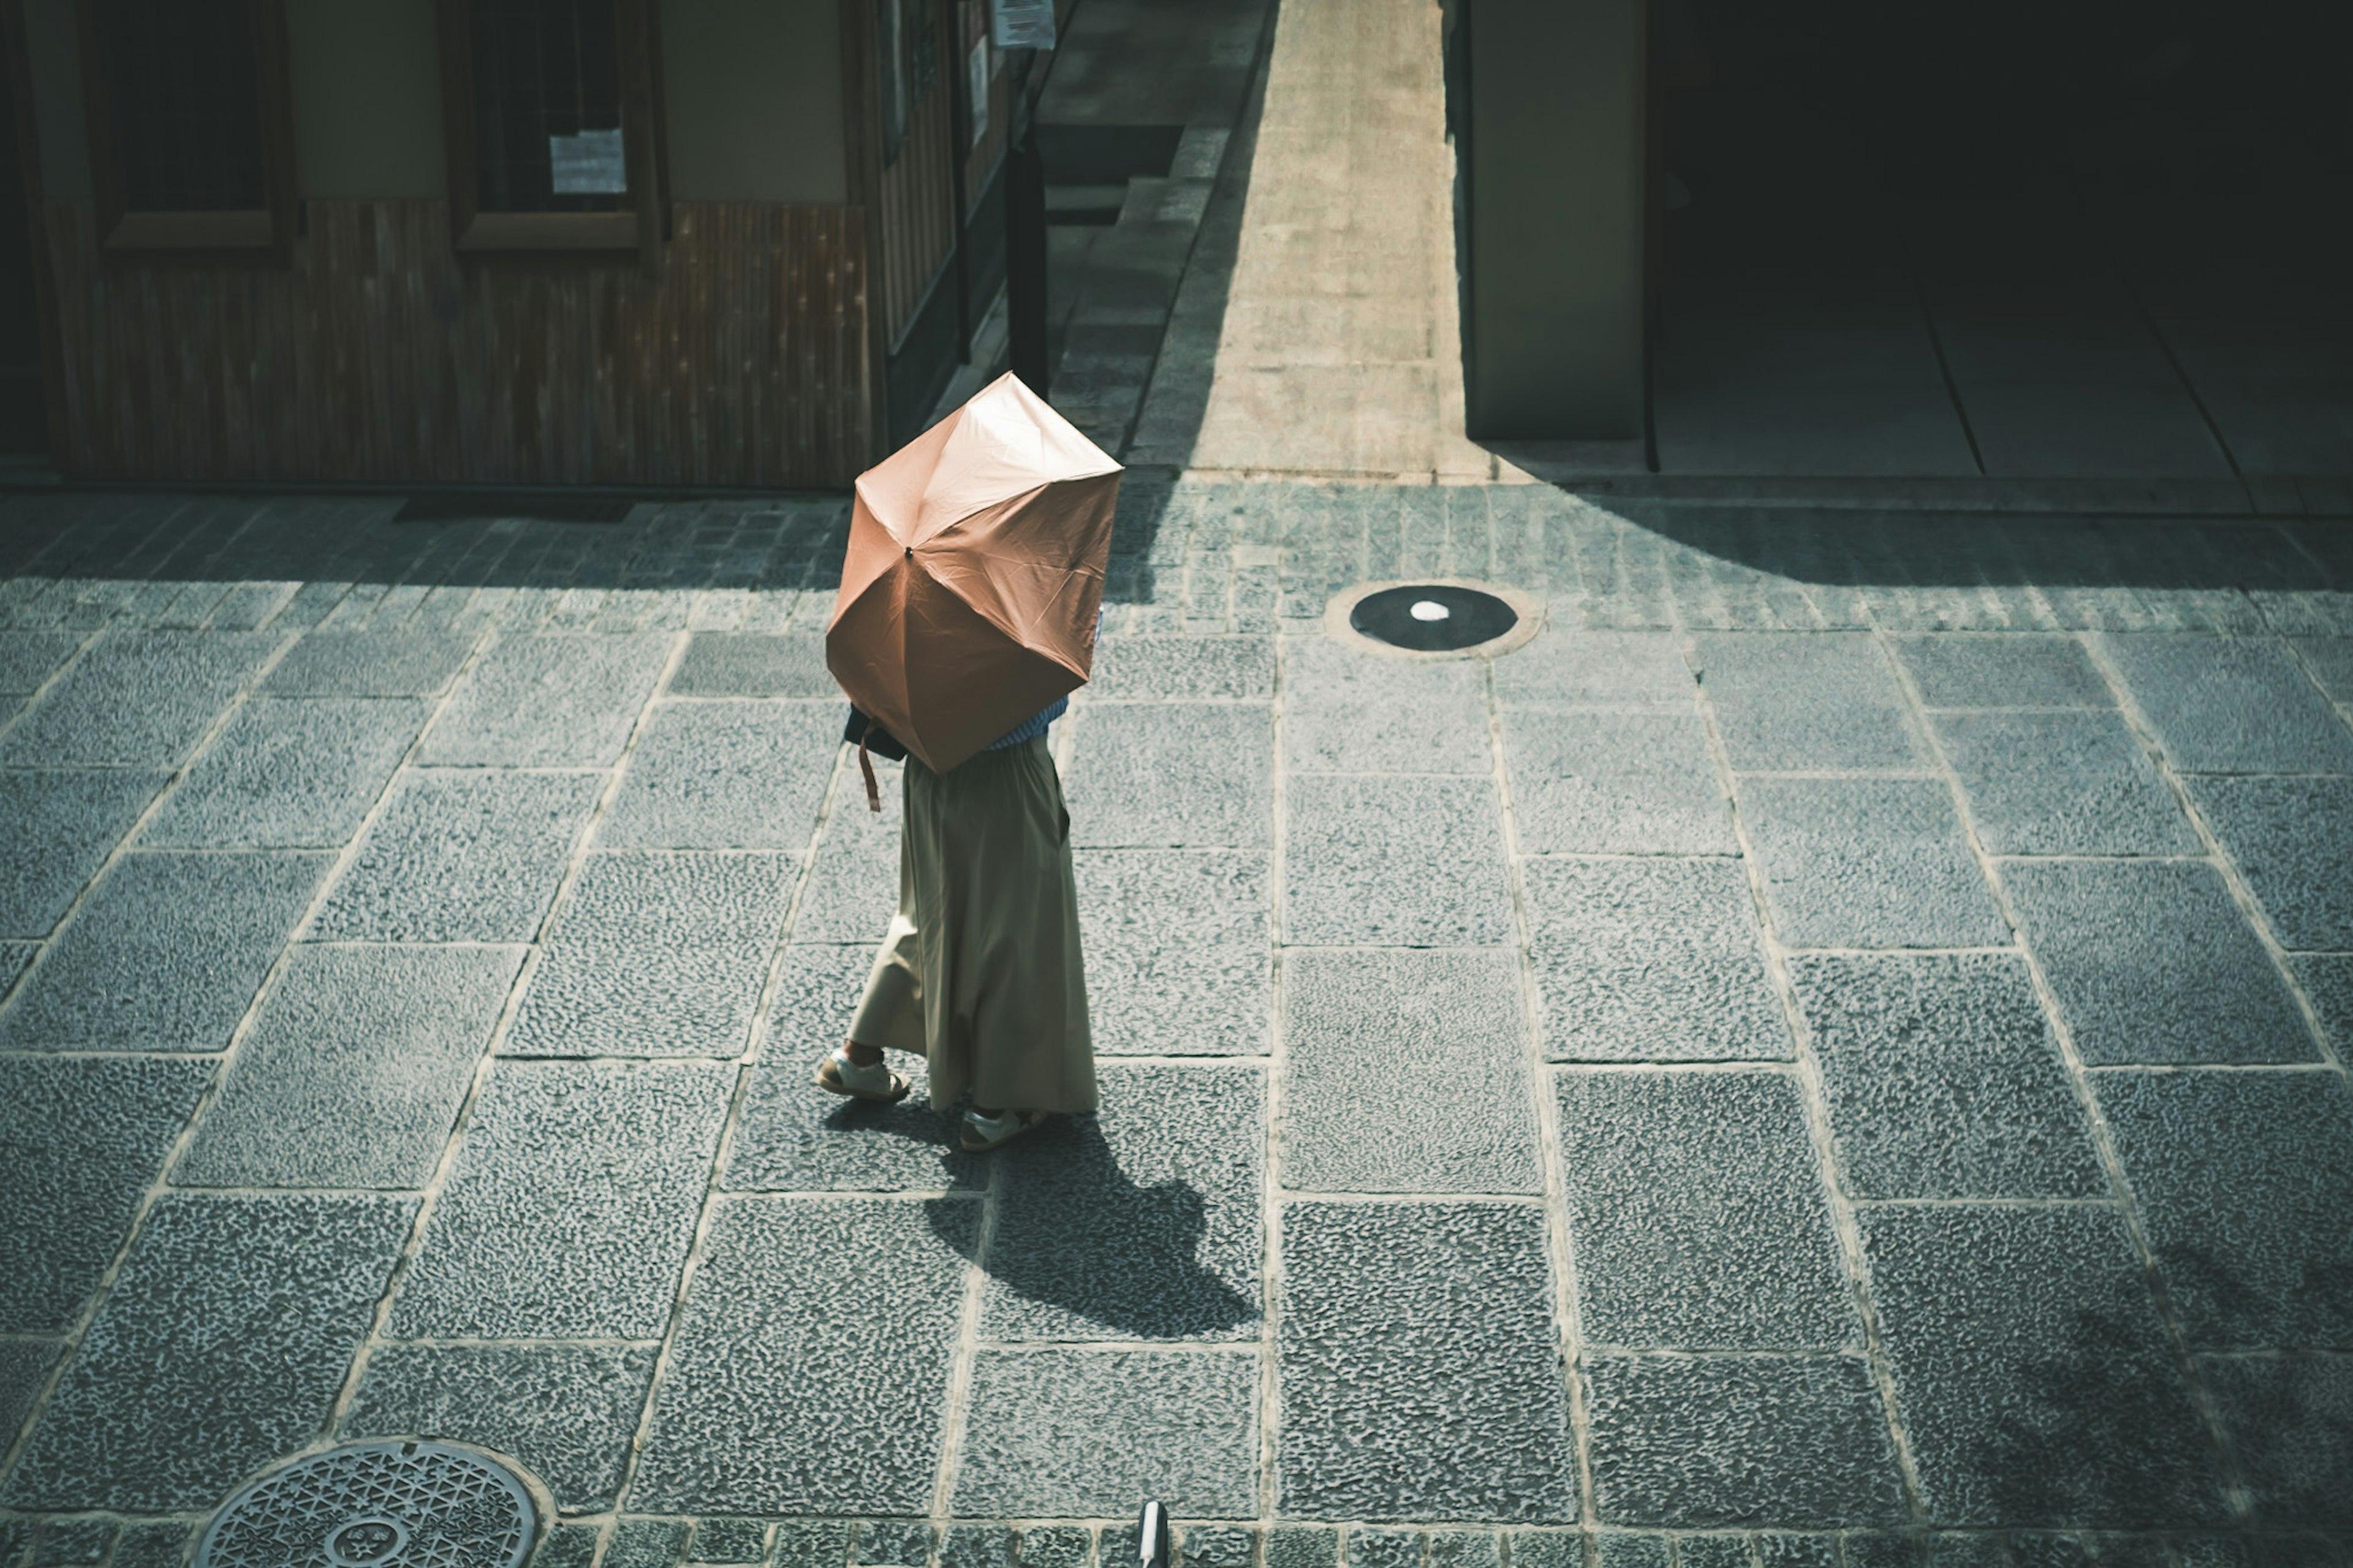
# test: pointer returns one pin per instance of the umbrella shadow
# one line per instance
(1077, 1235)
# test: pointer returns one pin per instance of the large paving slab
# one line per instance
(725, 775)
(288, 772)
(1191, 775)
(353, 1070)
(2153, 962)
(571, 1205)
(164, 954)
(1176, 955)
(1806, 703)
(62, 827)
(219, 1349)
(1865, 862)
(2241, 1179)
(82, 1140)
(552, 701)
(1405, 1072)
(369, 664)
(459, 856)
(2033, 1372)
(1351, 711)
(655, 954)
(777, 1400)
(137, 699)
(1697, 1208)
(2292, 838)
(1612, 782)
(1418, 1365)
(1944, 1079)
(1650, 960)
(1393, 861)
(2233, 705)
(2062, 782)
(1146, 1222)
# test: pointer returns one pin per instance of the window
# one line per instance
(190, 135)
(555, 124)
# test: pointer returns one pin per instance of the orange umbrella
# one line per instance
(973, 575)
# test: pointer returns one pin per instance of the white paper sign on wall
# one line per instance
(1022, 24)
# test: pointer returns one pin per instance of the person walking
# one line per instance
(971, 594)
(980, 972)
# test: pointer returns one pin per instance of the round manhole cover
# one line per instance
(1435, 618)
(377, 1505)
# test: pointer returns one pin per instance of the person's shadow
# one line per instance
(1088, 1253)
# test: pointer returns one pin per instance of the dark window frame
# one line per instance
(639, 227)
(264, 233)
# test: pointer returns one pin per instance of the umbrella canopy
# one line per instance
(974, 573)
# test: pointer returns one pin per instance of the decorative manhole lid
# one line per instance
(377, 1505)
(1440, 619)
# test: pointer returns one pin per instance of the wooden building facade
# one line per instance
(723, 243)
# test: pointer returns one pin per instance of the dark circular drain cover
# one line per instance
(377, 1505)
(1432, 617)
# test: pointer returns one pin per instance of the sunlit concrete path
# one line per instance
(1834, 1050)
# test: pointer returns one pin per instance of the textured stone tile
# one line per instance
(1301, 1546)
(1581, 669)
(369, 664)
(1943, 1079)
(2031, 1372)
(1375, 1548)
(1868, 863)
(1172, 775)
(646, 1543)
(71, 1543)
(1651, 959)
(1565, 1549)
(1353, 712)
(159, 1543)
(2152, 962)
(1143, 1223)
(569, 1546)
(2068, 783)
(776, 1401)
(2243, 1180)
(2327, 981)
(757, 664)
(2231, 705)
(459, 857)
(657, 954)
(1465, 1549)
(1056, 1546)
(61, 827)
(23, 1367)
(2015, 671)
(854, 885)
(1064, 1433)
(1717, 1440)
(1615, 1550)
(2330, 661)
(1382, 1042)
(891, 1541)
(2290, 1418)
(302, 772)
(1176, 956)
(814, 1543)
(1215, 1545)
(1698, 1212)
(1798, 701)
(1232, 668)
(136, 699)
(732, 1540)
(2292, 841)
(549, 700)
(726, 775)
(571, 1205)
(219, 1349)
(1419, 1369)
(1404, 862)
(566, 1412)
(1610, 781)
(353, 1073)
(164, 955)
(29, 658)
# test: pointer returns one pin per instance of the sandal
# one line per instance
(877, 1085)
(982, 1133)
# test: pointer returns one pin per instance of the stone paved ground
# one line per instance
(1834, 1051)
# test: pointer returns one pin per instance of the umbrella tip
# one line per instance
(1152, 1548)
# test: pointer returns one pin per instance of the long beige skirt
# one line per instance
(980, 972)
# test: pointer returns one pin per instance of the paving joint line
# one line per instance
(1267, 1488)
(1814, 1097)
(2103, 1146)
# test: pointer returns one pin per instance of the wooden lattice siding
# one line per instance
(917, 232)
(377, 356)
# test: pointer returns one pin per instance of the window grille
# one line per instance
(547, 105)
